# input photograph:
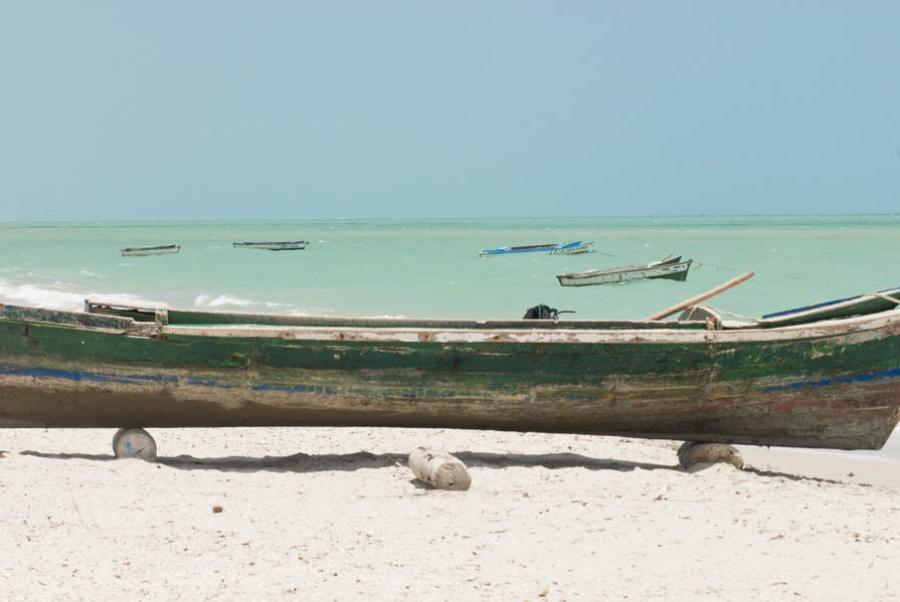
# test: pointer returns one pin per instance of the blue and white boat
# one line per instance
(573, 247)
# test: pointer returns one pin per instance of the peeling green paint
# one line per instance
(60, 369)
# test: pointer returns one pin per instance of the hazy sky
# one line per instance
(212, 109)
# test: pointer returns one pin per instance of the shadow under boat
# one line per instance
(311, 463)
(301, 462)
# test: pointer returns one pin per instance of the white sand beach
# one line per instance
(334, 514)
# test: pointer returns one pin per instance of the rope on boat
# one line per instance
(728, 268)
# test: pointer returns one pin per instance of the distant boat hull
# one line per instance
(157, 250)
(667, 269)
(293, 245)
(576, 250)
(573, 247)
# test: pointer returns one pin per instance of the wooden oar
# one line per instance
(701, 297)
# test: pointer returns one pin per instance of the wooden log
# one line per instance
(701, 297)
(439, 469)
(696, 456)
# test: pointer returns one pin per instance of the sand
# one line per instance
(240, 514)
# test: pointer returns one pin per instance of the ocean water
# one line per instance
(431, 268)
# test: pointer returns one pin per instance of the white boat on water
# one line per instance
(574, 247)
(671, 268)
(290, 245)
(157, 250)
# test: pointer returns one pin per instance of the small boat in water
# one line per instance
(157, 250)
(291, 245)
(574, 247)
(671, 268)
(830, 383)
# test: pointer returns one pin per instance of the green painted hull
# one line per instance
(833, 385)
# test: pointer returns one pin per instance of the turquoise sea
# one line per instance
(431, 268)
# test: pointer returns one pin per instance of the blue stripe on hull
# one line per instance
(144, 379)
(836, 380)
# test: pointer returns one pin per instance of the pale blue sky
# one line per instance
(212, 109)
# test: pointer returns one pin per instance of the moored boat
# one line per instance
(157, 250)
(291, 245)
(573, 247)
(832, 383)
(579, 248)
(669, 269)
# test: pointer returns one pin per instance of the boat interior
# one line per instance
(698, 317)
(100, 314)
(176, 317)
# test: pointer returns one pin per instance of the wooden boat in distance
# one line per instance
(829, 384)
(292, 245)
(573, 247)
(157, 250)
(670, 269)
(580, 248)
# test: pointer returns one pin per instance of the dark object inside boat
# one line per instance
(544, 312)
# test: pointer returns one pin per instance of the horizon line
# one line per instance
(443, 218)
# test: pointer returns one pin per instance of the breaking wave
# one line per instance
(226, 301)
(33, 295)
(69, 297)
(222, 301)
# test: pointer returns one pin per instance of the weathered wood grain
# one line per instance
(834, 384)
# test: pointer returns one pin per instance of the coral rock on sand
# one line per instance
(439, 469)
(697, 456)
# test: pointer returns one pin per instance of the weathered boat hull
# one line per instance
(833, 385)
(295, 245)
(145, 251)
(663, 271)
(579, 250)
(575, 247)
(841, 308)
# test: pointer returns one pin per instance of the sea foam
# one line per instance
(61, 298)
(226, 300)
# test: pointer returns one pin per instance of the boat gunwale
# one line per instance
(868, 324)
(550, 332)
(792, 315)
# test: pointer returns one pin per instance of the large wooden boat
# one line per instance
(287, 245)
(671, 268)
(143, 251)
(833, 383)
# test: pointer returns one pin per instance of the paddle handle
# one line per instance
(701, 297)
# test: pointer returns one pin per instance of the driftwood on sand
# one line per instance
(439, 469)
(694, 455)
